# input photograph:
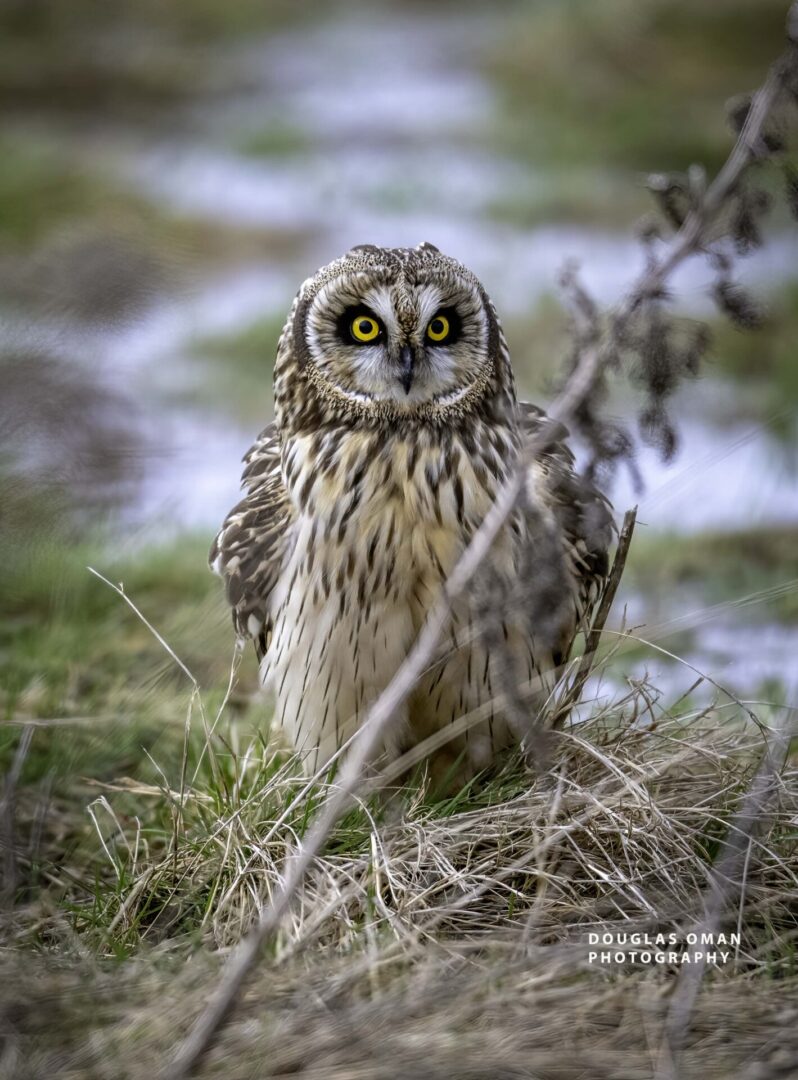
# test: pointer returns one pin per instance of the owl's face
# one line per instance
(397, 331)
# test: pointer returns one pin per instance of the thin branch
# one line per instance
(593, 357)
(608, 595)
(593, 638)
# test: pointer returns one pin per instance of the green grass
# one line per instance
(101, 696)
(239, 369)
(127, 876)
(274, 140)
(61, 624)
(42, 189)
(616, 84)
(134, 57)
(718, 567)
(153, 819)
(578, 196)
(537, 343)
(49, 198)
(763, 365)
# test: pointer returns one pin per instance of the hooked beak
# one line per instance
(406, 363)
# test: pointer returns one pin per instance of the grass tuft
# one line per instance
(431, 928)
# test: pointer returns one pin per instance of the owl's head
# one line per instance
(399, 334)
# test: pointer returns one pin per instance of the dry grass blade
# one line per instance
(7, 817)
(421, 946)
(726, 882)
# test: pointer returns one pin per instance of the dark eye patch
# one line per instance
(349, 316)
(455, 325)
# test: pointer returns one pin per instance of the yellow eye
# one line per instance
(438, 329)
(364, 328)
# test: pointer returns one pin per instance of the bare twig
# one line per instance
(593, 639)
(593, 356)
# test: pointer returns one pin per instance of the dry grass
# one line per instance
(622, 829)
(432, 939)
(504, 1013)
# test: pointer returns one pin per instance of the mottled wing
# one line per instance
(249, 549)
(583, 513)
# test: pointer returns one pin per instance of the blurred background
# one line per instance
(171, 172)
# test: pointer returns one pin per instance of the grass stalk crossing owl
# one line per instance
(396, 423)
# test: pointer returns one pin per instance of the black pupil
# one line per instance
(438, 326)
(365, 327)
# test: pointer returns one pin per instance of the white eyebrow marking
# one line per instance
(378, 299)
(429, 301)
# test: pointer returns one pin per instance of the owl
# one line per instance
(396, 424)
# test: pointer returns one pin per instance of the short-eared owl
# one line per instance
(396, 423)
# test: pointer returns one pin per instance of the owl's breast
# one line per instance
(380, 524)
(407, 503)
